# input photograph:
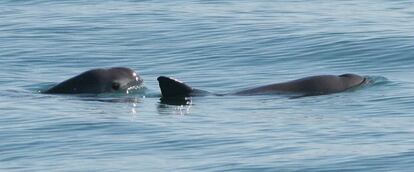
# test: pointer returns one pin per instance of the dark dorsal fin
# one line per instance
(173, 88)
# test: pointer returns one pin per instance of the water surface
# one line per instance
(218, 46)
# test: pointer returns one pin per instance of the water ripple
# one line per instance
(220, 46)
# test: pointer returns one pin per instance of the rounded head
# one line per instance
(122, 78)
(352, 80)
(99, 81)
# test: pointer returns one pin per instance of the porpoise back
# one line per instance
(313, 85)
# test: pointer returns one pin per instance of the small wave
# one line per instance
(376, 81)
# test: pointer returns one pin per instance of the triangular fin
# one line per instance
(171, 87)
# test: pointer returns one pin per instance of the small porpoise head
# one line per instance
(352, 80)
(99, 81)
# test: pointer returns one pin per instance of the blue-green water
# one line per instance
(218, 46)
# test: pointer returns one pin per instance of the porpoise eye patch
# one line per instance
(116, 86)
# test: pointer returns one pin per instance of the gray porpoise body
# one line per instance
(313, 85)
(321, 84)
(97, 81)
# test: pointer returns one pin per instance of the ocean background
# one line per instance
(220, 46)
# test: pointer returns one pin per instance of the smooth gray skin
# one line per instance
(314, 85)
(97, 81)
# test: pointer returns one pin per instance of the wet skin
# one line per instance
(313, 85)
(97, 81)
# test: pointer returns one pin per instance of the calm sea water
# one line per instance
(218, 46)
